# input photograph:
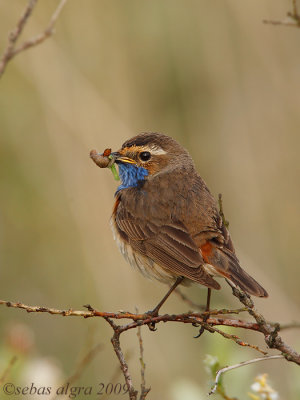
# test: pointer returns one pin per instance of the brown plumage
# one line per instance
(166, 221)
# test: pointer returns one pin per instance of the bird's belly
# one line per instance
(145, 265)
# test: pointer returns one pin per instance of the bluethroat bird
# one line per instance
(165, 220)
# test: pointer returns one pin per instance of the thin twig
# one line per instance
(8, 369)
(292, 20)
(242, 364)
(86, 360)
(49, 31)
(188, 301)
(144, 390)
(221, 212)
(11, 51)
(235, 338)
(224, 311)
(117, 372)
(291, 325)
(295, 10)
(286, 22)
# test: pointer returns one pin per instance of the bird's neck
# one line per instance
(131, 175)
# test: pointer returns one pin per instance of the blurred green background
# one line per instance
(208, 73)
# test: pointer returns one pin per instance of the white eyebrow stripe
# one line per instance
(156, 150)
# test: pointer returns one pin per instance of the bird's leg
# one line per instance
(154, 312)
(206, 316)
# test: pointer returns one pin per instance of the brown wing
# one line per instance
(168, 245)
(214, 240)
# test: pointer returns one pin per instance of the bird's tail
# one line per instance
(226, 264)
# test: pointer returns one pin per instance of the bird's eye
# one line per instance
(145, 156)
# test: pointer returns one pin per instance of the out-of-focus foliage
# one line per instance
(208, 73)
(262, 389)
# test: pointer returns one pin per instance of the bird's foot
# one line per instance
(152, 314)
(202, 329)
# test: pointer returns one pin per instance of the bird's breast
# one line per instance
(141, 262)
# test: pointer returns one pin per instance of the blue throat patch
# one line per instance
(130, 175)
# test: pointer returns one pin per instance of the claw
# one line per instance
(201, 330)
(152, 313)
(152, 327)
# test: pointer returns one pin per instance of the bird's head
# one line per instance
(146, 155)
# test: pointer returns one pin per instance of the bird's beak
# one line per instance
(119, 158)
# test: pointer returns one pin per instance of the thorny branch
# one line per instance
(11, 49)
(292, 19)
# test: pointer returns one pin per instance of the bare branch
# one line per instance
(269, 330)
(235, 338)
(141, 319)
(117, 372)
(295, 11)
(14, 35)
(8, 369)
(286, 22)
(188, 301)
(242, 364)
(202, 307)
(83, 363)
(86, 360)
(292, 20)
(115, 340)
(144, 390)
(221, 212)
(290, 325)
(49, 31)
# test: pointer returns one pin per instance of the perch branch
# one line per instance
(141, 319)
(11, 49)
(269, 330)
